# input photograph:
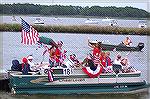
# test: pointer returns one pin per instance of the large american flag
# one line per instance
(29, 34)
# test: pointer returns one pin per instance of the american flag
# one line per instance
(29, 34)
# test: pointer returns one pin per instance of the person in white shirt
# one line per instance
(33, 67)
(127, 42)
(118, 60)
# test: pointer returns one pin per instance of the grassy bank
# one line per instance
(83, 29)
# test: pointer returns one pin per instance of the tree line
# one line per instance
(111, 11)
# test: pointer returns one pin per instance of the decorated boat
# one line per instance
(120, 47)
(58, 80)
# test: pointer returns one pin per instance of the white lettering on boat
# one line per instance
(120, 86)
(72, 80)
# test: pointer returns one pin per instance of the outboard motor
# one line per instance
(140, 46)
(15, 65)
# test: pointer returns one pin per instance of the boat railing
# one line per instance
(74, 72)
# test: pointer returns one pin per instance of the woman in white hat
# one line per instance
(30, 62)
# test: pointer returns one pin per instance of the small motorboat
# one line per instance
(89, 21)
(112, 22)
(142, 24)
(120, 47)
(38, 21)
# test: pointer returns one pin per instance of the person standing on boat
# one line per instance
(96, 52)
(127, 41)
(25, 66)
(58, 53)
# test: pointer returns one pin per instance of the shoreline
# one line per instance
(79, 29)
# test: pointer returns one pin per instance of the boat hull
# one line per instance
(80, 89)
(76, 83)
(121, 47)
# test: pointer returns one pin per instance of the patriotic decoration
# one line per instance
(29, 34)
(92, 73)
(50, 75)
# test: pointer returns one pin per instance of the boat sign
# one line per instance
(67, 71)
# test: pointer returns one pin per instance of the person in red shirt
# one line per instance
(103, 59)
(58, 53)
(96, 47)
(95, 52)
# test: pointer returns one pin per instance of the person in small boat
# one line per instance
(58, 53)
(127, 42)
(25, 66)
(51, 56)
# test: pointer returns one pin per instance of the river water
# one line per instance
(51, 20)
(74, 43)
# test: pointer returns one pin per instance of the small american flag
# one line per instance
(29, 34)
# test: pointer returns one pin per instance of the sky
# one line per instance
(141, 4)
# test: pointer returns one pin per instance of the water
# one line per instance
(74, 43)
(101, 96)
(68, 21)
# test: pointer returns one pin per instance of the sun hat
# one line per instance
(30, 57)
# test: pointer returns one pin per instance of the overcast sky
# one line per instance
(141, 4)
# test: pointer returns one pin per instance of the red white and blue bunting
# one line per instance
(93, 73)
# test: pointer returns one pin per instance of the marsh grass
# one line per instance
(82, 29)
